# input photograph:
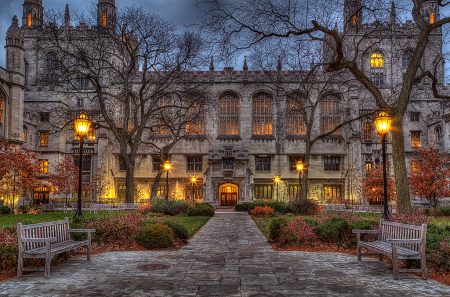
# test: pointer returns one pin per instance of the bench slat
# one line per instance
(56, 248)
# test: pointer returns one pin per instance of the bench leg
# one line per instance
(423, 264)
(380, 256)
(48, 261)
(358, 247)
(20, 267)
(89, 247)
(66, 255)
(395, 260)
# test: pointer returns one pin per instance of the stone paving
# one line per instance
(228, 257)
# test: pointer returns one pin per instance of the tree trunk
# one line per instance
(305, 181)
(129, 185)
(156, 184)
(399, 161)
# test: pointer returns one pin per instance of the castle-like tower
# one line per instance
(33, 13)
(106, 13)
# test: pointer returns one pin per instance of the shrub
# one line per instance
(174, 207)
(23, 209)
(201, 209)
(243, 206)
(302, 207)
(5, 209)
(145, 208)
(275, 226)
(436, 245)
(179, 230)
(8, 250)
(444, 211)
(297, 232)
(335, 230)
(278, 206)
(262, 211)
(158, 205)
(441, 255)
(155, 236)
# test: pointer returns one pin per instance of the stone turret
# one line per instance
(106, 13)
(352, 14)
(67, 16)
(14, 47)
(33, 14)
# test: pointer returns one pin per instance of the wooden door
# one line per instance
(228, 199)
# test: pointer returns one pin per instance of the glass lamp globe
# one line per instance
(383, 123)
(82, 124)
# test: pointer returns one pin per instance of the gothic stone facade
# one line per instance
(248, 144)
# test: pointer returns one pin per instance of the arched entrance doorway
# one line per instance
(228, 194)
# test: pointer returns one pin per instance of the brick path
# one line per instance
(228, 257)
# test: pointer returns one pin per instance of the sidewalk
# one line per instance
(228, 257)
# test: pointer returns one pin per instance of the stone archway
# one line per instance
(228, 194)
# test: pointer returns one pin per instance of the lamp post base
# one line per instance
(78, 214)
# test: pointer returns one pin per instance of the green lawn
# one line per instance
(193, 224)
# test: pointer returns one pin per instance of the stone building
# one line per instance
(252, 139)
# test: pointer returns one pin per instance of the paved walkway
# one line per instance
(228, 257)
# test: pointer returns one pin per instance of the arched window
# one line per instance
(367, 131)
(161, 119)
(438, 133)
(376, 68)
(295, 124)
(405, 60)
(432, 17)
(196, 126)
(329, 113)
(29, 19)
(229, 114)
(262, 114)
(104, 19)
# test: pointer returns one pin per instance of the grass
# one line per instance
(193, 224)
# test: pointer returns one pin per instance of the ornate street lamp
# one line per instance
(167, 168)
(299, 168)
(82, 124)
(383, 124)
(277, 181)
(193, 180)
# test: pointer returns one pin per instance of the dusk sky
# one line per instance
(180, 12)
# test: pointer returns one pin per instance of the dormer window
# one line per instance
(29, 19)
(432, 17)
(104, 19)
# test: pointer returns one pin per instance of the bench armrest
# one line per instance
(404, 240)
(49, 239)
(366, 231)
(82, 230)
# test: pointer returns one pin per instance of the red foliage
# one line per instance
(260, 211)
(416, 218)
(19, 170)
(145, 208)
(429, 175)
(373, 185)
(297, 232)
(64, 180)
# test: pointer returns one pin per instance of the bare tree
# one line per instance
(130, 74)
(348, 44)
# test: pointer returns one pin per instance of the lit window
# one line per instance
(91, 134)
(262, 114)
(29, 19)
(367, 131)
(104, 19)
(438, 133)
(197, 125)
(376, 60)
(354, 19)
(43, 166)
(432, 17)
(415, 166)
(229, 115)
(332, 192)
(44, 138)
(294, 191)
(263, 192)
(24, 135)
(368, 167)
(295, 125)
(329, 114)
(162, 116)
(415, 139)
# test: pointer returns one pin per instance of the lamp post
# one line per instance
(299, 168)
(82, 124)
(383, 124)
(277, 180)
(193, 180)
(167, 168)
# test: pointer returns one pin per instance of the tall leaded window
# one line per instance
(1, 108)
(44, 138)
(43, 166)
(196, 126)
(229, 114)
(262, 163)
(332, 164)
(162, 116)
(194, 163)
(228, 163)
(405, 60)
(295, 124)
(29, 19)
(329, 114)
(194, 192)
(262, 114)
(367, 131)
(104, 19)
(263, 192)
(415, 139)
(51, 65)
(332, 192)
(432, 17)
(377, 68)
(437, 132)
(156, 163)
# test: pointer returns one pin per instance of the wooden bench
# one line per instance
(54, 207)
(85, 206)
(333, 207)
(45, 240)
(104, 206)
(360, 208)
(398, 242)
(128, 206)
